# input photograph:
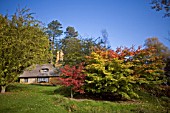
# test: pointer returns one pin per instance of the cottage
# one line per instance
(39, 74)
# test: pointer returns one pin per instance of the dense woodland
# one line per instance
(89, 65)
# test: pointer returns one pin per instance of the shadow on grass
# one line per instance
(41, 84)
(16, 88)
(65, 91)
(48, 92)
(47, 89)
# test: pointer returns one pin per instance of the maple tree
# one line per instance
(73, 77)
(108, 72)
(119, 72)
(148, 66)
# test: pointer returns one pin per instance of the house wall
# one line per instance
(30, 80)
(52, 80)
(22, 80)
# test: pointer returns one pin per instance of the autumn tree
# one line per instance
(119, 72)
(167, 70)
(73, 77)
(160, 48)
(161, 51)
(148, 67)
(109, 73)
(23, 43)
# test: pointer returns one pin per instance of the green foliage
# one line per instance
(70, 32)
(75, 49)
(54, 31)
(148, 67)
(111, 72)
(23, 43)
(109, 76)
(167, 70)
(161, 53)
(72, 50)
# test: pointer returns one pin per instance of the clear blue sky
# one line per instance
(128, 22)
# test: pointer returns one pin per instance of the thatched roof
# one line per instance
(45, 70)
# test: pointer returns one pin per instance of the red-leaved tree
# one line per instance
(73, 77)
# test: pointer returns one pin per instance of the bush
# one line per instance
(54, 81)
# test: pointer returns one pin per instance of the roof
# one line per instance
(38, 71)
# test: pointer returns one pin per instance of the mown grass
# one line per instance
(22, 98)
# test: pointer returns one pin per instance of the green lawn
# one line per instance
(22, 98)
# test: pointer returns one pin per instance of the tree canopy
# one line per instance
(23, 43)
(54, 31)
(70, 32)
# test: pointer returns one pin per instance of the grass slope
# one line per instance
(22, 98)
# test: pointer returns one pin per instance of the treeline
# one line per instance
(88, 65)
(119, 73)
(71, 44)
(25, 41)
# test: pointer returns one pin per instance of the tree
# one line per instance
(105, 39)
(72, 47)
(109, 73)
(119, 72)
(87, 45)
(76, 49)
(72, 50)
(167, 70)
(148, 67)
(159, 5)
(54, 31)
(73, 77)
(161, 49)
(70, 32)
(23, 43)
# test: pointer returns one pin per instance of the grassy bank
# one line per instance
(22, 98)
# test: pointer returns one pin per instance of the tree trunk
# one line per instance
(3, 88)
(71, 93)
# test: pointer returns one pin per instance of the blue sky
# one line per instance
(128, 22)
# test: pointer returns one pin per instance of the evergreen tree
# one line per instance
(70, 32)
(54, 31)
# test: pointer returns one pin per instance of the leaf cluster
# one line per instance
(73, 76)
(23, 43)
(120, 72)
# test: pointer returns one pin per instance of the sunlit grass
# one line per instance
(22, 98)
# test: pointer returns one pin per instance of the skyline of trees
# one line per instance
(40, 45)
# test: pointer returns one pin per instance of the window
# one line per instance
(25, 79)
(43, 80)
(44, 70)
